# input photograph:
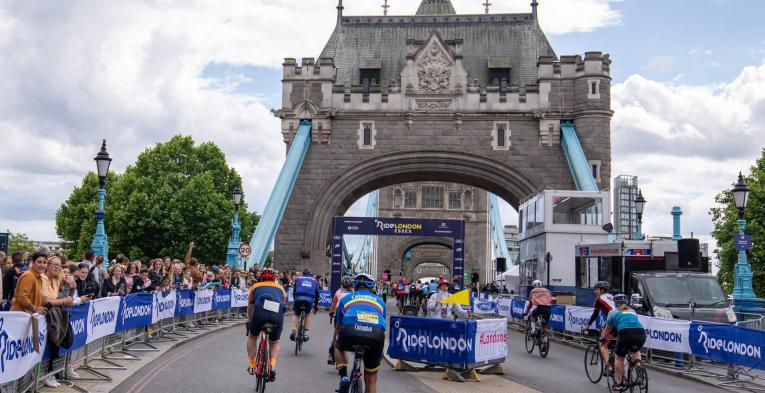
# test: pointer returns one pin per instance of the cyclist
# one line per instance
(347, 287)
(604, 304)
(631, 335)
(266, 305)
(360, 321)
(306, 294)
(539, 304)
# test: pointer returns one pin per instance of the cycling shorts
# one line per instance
(541, 311)
(370, 337)
(261, 316)
(302, 303)
(629, 340)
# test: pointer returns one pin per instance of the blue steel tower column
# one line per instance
(233, 242)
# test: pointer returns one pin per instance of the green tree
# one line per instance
(725, 215)
(176, 192)
(75, 218)
(20, 242)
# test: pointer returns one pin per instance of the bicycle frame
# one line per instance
(357, 373)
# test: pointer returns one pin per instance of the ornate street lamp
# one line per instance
(232, 255)
(743, 294)
(100, 244)
(639, 206)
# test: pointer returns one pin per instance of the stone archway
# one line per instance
(338, 194)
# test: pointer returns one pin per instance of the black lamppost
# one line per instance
(100, 244)
(639, 206)
(548, 259)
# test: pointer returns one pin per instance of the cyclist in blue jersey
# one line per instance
(360, 322)
(306, 294)
(631, 335)
(267, 303)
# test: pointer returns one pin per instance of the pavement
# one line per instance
(216, 360)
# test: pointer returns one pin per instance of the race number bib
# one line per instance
(367, 317)
(272, 306)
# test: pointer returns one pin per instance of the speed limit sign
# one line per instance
(245, 250)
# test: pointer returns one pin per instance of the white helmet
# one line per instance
(536, 284)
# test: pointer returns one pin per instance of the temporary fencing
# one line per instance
(108, 331)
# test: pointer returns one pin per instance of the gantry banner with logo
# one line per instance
(381, 226)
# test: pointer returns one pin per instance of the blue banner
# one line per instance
(222, 299)
(78, 322)
(517, 308)
(135, 311)
(558, 317)
(185, 304)
(430, 340)
(325, 299)
(728, 344)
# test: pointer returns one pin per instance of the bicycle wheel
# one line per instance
(593, 363)
(638, 379)
(530, 339)
(544, 344)
(299, 338)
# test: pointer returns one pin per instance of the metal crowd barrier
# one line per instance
(107, 352)
(732, 377)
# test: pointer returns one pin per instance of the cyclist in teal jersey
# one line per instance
(631, 335)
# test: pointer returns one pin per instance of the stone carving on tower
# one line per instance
(434, 70)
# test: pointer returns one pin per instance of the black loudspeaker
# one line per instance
(688, 254)
(501, 265)
(474, 278)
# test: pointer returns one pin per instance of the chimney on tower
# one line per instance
(534, 13)
(676, 231)
(340, 12)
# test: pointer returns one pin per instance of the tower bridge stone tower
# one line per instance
(437, 96)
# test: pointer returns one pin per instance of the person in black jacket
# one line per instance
(115, 285)
(85, 283)
(11, 277)
(143, 283)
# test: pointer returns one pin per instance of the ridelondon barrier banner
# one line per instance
(164, 305)
(185, 303)
(325, 299)
(457, 344)
(221, 299)
(239, 297)
(135, 311)
(728, 344)
(203, 300)
(17, 342)
(102, 317)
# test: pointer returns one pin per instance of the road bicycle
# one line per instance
(299, 338)
(263, 359)
(635, 379)
(356, 384)
(541, 338)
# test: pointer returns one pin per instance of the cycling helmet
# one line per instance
(604, 285)
(364, 280)
(620, 299)
(536, 284)
(347, 282)
(307, 271)
(267, 274)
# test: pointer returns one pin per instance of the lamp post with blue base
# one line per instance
(743, 294)
(100, 244)
(639, 206)
(233, 243)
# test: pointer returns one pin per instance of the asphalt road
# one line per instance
(217, 362)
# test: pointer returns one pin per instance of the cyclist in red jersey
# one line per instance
(347, 287)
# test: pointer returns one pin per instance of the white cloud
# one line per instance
(661, 63)
(687, 143)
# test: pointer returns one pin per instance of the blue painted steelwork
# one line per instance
(364, 249)
(577, 161)
(280, 195)
(232, 255)
(100, 243)
(498, 243)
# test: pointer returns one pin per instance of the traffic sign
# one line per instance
(742, 242)
(244, 249)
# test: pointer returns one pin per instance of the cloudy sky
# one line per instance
(688, 89)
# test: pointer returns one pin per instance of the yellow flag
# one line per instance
(461, 297)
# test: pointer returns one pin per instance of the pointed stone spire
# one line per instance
(340, 9)
(436, 7)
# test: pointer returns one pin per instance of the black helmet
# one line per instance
(307, 271)
(347, 282)
(620, 299)
(604, 285)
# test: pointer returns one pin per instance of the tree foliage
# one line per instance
(160, 204)
(20, 242)
(725, 215)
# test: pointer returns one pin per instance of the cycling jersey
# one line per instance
(603, 305)
(361, 308)
(339, 295)
(306, 286)
(540, 297)
(268, 300)
(621, 320)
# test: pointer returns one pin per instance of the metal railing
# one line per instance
(109, 352)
